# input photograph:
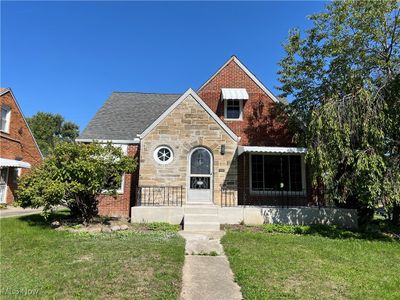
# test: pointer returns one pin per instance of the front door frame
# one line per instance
(4, 200)
(189, 158)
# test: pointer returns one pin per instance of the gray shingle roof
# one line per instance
(125, 115)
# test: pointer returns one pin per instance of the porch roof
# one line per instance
(4, 162)
(264, 149)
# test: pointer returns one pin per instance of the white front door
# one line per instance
(3, 184)
(200, 179)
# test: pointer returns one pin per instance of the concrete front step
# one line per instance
(201, 226)
(201, 218)
(201, 209)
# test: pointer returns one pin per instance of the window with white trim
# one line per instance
(233, 109)
(277, 173)
(163, 155)
(5, 118)
(121, 188)
(124, 149)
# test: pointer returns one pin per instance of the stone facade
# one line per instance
(188, 126)
(17, 144)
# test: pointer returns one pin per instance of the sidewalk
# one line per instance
(12, 211)
(206, 272)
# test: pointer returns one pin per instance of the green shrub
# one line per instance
(74, 175)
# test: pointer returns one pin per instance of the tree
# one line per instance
(50, 129)
(74, 175)
(342, 76)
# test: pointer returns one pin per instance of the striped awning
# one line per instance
(277, 150)
(240, 94)
(4, 162)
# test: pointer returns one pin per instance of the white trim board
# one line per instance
(247, 71)
(196, 97)
(134, 141)
(279, 150)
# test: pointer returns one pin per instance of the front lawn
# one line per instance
(53, 264)
(321, 263)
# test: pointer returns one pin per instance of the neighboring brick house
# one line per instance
(221, 145)
(19, 150)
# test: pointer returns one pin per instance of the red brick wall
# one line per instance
(259, 126)
(18, 144)
(121, 205)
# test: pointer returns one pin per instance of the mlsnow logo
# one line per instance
(4, 291)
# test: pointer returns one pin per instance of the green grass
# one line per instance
(118, 265)
(313, 262)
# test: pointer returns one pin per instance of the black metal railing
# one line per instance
(159, 195)
(233, 196)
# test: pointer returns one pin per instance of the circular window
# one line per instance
(163, 155)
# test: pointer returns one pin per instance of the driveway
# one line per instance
(12, 211)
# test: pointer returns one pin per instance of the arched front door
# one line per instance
(200, 181)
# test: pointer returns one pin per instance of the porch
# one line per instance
(257, 176)
(270, 187)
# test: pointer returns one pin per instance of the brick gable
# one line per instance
(18, 143)
(260, 125)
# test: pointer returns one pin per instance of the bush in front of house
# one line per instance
(74, 176)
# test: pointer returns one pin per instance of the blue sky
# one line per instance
(67, 57)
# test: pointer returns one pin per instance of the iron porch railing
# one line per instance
(159, 195)
(233, 196)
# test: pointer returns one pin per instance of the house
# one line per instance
(204, 155)
(19, 150)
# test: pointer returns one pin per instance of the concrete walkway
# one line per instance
(12, 211)
(206, 272)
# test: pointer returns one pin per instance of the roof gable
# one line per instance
(249, 74)
(4, 91)
(202, 104)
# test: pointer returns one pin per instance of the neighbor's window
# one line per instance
(233, 109)
(275, 173)
(5, 118)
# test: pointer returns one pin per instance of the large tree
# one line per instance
(343, 75)
(74, 175)
(50, 129)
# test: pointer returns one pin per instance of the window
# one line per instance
(5, 118)
(163, 155)
(112, 181)
(200, 162)
(233, 109)
(276, 173)
(120, 190)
